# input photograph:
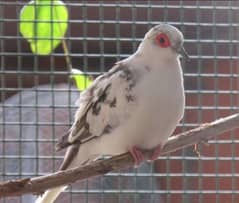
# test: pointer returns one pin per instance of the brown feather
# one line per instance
(72, 151)
(94, 100)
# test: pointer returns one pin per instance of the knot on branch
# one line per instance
(14, 185)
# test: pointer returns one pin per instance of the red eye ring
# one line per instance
(162, 40)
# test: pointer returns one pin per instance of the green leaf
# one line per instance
(43, 23)
(82, 81)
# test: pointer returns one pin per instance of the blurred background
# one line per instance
(37, 98)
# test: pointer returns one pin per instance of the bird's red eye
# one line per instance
(162, 40)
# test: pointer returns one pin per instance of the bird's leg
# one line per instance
(197, 149)
(137, 155)
(156, 153)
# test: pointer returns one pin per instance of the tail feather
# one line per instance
(74, 157)
(50, 195)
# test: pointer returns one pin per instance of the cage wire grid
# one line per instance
(38, 96)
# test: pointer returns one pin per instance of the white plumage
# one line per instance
(136, 105)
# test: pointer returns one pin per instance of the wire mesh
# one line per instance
(37, 98)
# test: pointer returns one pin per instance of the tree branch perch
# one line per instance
(39, 184)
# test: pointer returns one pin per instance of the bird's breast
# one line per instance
(160, 107)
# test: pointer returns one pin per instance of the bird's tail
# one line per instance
(75, 156)
(50, 195)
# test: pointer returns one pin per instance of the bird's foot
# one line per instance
(137, 154)
(155, 154)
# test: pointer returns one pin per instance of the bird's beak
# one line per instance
(183, 53)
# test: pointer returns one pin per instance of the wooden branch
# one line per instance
(39, 184)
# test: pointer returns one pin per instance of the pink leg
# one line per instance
(137, 155)
(156, 153)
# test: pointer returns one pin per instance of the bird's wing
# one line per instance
(102, 107)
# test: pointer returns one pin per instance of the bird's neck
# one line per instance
(154, 58)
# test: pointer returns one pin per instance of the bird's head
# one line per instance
(164, 39)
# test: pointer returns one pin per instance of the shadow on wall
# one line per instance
(32, 120)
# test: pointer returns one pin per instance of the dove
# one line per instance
(135, 106)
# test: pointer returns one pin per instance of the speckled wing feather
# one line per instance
(102, 107)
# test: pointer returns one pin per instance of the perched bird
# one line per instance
(134, 106)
